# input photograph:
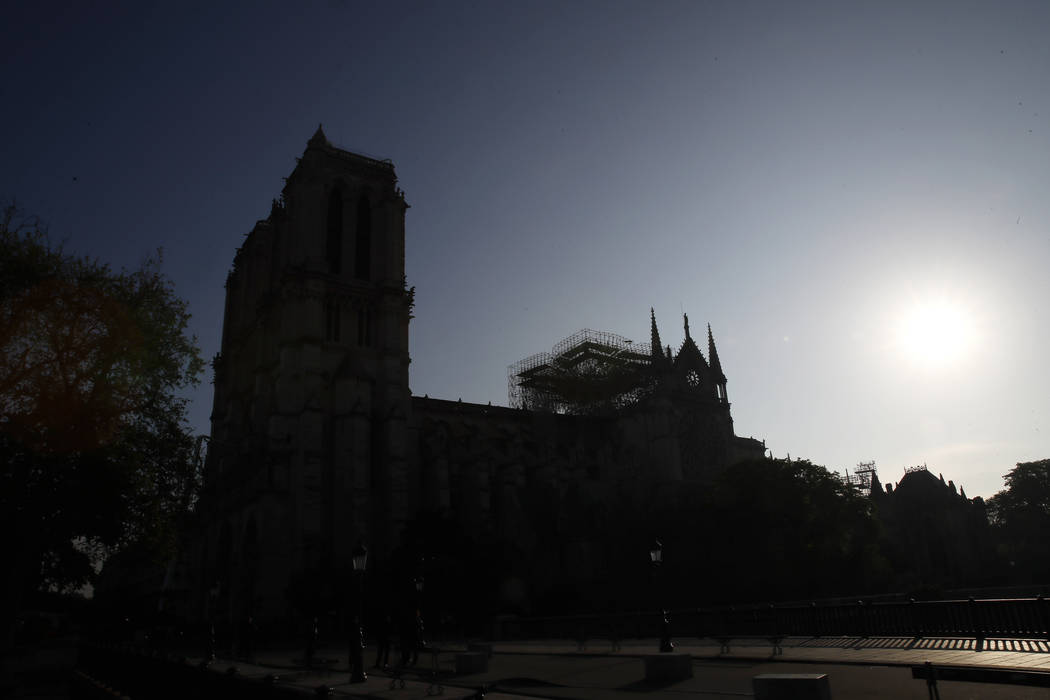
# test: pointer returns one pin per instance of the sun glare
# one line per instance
(936, 334)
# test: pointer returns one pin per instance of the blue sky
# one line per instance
(852, 194)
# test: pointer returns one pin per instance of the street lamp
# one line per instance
(656, 552)
(359, 558)
(656, 556)
(209, 608)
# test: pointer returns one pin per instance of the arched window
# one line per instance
(363, 242)
(334, 240)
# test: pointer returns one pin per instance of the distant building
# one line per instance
(937, 537)
(317, 442)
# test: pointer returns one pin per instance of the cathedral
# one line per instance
(317, 443)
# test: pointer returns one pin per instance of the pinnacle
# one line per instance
(318, 138)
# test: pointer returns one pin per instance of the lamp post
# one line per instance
(210, 605)
(359, 558)
(656, 556)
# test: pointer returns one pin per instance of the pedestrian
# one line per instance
(409, 653)
(383, 631)
(421, 640)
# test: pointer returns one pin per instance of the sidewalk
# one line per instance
(857, 668)
(331, 669)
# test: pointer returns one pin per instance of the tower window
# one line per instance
(363, 241)
(334, 239)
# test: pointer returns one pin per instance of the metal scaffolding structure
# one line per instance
(862, 477)
(588, 372)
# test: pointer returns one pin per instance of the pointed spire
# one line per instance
(875, 485)
(318, 139)
(655, 344)
(685, 317)
(712, 352)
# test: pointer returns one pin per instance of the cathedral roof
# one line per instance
(689, 353)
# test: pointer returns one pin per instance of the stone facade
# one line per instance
(317, 443)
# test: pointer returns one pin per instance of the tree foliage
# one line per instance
(1021, 516)
(793, 529)
(761, 530)
(96, 455)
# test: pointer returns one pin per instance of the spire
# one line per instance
(318, 139)
(656, 345)
(685, 317)
(875, 486)
(712, 353)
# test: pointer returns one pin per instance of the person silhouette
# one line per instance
(383, 632)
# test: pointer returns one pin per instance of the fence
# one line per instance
(1027, 618)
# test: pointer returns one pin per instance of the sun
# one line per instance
(936, 334)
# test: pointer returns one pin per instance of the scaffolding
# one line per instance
(862, 477)
(588, 372)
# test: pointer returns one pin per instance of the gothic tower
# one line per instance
(309, 426)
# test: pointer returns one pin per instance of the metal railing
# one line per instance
(1026, 618)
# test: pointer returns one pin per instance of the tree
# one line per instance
(1020, 515)
(792, 529)
(95, 452)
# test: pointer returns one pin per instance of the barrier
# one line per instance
(1006, 618)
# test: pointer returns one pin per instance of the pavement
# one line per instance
(857, 668)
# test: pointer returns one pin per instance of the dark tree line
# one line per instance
(95, 454)
(1020, 517)
(762, 531)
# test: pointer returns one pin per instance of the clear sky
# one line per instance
(854, 195)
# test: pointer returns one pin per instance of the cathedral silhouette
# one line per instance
(317, 443)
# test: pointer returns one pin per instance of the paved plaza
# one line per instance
(857, 668)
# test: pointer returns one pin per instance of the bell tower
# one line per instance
(311, 408)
